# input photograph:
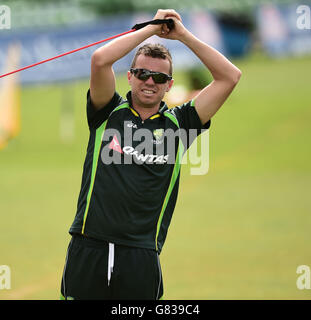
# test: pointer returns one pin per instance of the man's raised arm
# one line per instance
(225, 74)
(102, 82)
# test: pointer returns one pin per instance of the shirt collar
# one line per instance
(163, 106)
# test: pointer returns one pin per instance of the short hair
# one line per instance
(154, 50)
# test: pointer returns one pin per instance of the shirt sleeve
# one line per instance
(190, 122)
(96, 117)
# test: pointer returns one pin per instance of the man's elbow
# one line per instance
(98, 58)
(231, 78)
(235, 76)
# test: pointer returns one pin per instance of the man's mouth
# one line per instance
(148, 92)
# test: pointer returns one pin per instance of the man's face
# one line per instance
(147, 93)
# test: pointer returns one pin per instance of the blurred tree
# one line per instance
(120, 6)
(109, 6)
(198, 78)
(124, 6)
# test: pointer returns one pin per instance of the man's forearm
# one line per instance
(118, 48)
(219, 66)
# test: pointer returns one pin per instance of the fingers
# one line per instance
(165, 13)
(172, 13)
(165, 32)
(165, 29)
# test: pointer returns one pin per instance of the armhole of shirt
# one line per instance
(208, 123)
(97, 117)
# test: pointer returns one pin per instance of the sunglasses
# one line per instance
(144, 74)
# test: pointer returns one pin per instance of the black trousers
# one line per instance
(105, 271)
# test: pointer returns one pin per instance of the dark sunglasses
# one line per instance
(144, 74)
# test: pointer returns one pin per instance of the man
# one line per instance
(129, 185)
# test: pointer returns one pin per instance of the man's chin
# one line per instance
(149, 102)
(146, 101)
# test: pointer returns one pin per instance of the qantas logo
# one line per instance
(157, 146)
(151, 158)
(115, 145)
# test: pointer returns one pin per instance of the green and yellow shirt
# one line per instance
(131, 172)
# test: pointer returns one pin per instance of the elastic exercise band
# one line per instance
(169, 22)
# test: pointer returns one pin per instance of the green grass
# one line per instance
(239, 232)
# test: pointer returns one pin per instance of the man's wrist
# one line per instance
(151, 29)
(187, 38)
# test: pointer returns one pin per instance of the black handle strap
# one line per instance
(169, 23)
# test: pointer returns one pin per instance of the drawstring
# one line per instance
(110, 261)
(160, 277)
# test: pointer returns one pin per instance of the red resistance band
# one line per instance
(169, 22)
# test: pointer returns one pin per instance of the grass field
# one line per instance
(239, 232)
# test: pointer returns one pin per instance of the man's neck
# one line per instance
(146, 112)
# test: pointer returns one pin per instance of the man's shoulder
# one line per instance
(176, 111)
(97, 116)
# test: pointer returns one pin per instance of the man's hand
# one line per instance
(225, 74)
(163, 31)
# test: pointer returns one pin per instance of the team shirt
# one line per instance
(131, 172)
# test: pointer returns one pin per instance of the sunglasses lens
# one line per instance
(159, 78)
(143, 74)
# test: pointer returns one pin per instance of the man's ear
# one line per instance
(129, 76)
(170, 84)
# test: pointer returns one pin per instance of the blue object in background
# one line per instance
(237, 40)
